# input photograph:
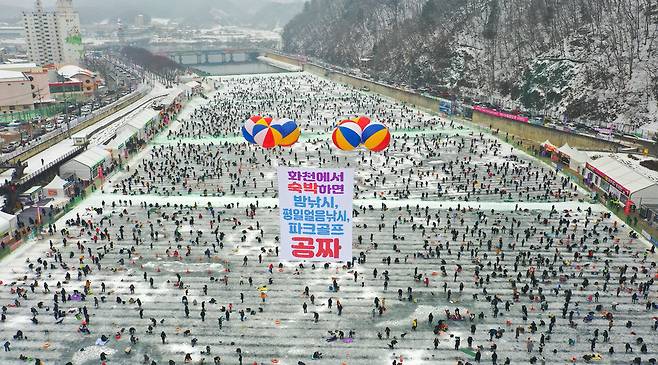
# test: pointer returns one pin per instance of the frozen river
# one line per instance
(490, 253)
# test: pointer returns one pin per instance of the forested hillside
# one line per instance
(588, 59)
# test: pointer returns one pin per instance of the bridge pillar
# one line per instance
(180, 59)
(231, 57)
(199, 58)
(206, 57)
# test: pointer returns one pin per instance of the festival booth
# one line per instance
(548, 149)
(58, 188)
(621, 182)
(31, 195)
(172, 105)
(572, 157)
(8, 225)
(86, 165)
(119, 145)
(194, 87)
(141, 124)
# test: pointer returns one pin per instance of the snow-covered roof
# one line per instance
(140, 120)
(622, 174)
(573, 153)
(13, 66)
(33, 189)
(56, 183)
(92, 157)
(192, 84)
(69, 71)
(6, 75)
(173, 94)
(121, 138)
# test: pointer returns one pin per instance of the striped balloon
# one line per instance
(376, 137)
(266, 136)
(362, 122)
(248, 130)
(289, 130)
(347, 136)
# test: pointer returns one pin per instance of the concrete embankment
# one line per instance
(524, 131)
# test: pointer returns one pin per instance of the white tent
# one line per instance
(8, 224)
(193, 85)
(577, 159)
(56, 188)
(118, 144)
(616, 178)
(85, 165)
(140, 123)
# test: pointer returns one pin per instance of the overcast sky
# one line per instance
(225, 12)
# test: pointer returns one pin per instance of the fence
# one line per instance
(27, 115)
(34, 174)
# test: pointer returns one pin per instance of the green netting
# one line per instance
(74, 39)
(26, 115)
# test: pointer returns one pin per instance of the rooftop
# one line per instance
(622, 174)
(69, 71)
(12, 76)
(13, 66)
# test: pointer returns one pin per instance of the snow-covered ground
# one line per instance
(467, 249)
(43, 158)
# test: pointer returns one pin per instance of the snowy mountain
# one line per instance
(587, 59)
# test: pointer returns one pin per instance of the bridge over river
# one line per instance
(217, 56)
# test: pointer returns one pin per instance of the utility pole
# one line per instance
(66, 111)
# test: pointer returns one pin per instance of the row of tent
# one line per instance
(615, 177)
(577, 159)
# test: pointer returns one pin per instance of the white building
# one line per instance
(16, 92)
(53, 37)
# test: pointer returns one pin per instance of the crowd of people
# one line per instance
(176, 260)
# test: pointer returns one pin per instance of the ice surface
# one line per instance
(473, 238)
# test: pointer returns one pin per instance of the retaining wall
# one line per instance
(525, 131)
(539, 134)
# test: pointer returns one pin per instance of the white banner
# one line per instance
(315, 213)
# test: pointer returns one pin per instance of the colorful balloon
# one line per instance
(266, 136)
(248, 129)
(362, 122)
(289, 130)
(376, 137)
(347, 136)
